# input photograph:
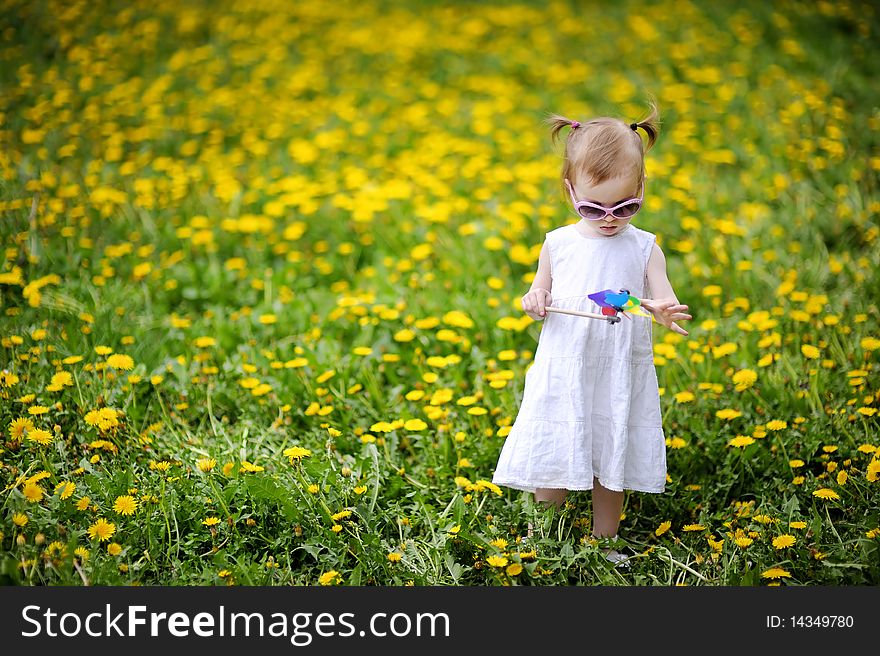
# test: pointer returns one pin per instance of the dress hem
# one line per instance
(531, 487)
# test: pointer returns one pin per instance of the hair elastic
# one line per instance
(575, 125)
(634, 126)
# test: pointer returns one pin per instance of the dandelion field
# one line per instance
(261, 274)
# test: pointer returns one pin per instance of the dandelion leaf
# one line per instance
(266, 490)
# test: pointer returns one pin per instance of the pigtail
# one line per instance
(556, 123)
(650, 124)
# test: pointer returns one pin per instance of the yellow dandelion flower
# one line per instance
(114, 549)
(826, 493)
(404, 335)
(724, 349)
(482, 484)
(415, 425)
(810, 351)
(684, 397)
(211, 521)
(39, 476)
(457, 319)
(744, 379)
(775, 573)
(125, 505)
(394, 557)
(206, 464)
(693, 527)
(329, 578)
(324, 377)
(296, 453)
(19, 519)
(776, 424)
(664, 526)
(514, 569)
(40, 436)
(102, 530)
(783, 541)
(741, 441)
(33, 492)
(19, 428)
(497, 561)
(120, 361)
(728, 413)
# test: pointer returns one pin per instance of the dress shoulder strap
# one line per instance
(556, 235)
(646, 241)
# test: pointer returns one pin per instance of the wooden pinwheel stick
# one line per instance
(590, 315)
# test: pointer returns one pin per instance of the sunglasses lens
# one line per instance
(626, 211)
(591, 213)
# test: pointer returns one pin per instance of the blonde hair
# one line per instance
(604, 148)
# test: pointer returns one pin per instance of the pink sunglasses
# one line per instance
(595, 212)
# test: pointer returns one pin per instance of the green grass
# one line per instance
(310, 226)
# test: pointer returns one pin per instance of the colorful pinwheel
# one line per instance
(621, 301)
(613, 303)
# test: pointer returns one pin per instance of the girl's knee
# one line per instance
(549, 495)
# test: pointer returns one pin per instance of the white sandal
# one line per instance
(617, 558)
(614, 556)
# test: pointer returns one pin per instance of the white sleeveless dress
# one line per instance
(590, 405)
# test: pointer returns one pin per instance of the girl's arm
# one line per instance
(539, 296)
(664, 306)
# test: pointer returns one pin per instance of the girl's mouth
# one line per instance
(607, 228)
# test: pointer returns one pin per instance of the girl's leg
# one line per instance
(607, 505)
(548, 496)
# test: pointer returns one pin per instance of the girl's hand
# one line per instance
(667, 312)
(535, 301)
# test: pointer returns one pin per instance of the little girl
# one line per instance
(590, 413)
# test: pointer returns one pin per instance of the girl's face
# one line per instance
(609, 193)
